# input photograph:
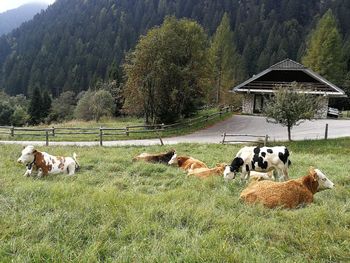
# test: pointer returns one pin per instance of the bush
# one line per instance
(6, 112)
(95, 104)
(62, 108)
(19, 117)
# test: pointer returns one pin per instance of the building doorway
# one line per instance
(258, 103)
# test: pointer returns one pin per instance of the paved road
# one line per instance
(238, 124)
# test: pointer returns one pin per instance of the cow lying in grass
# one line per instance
(45, 163)
(186, 163)
(155, 158)
(258, 159)
(257, 176)
(290, 194)
(218, 170)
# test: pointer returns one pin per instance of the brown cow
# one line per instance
(206, 172)
(155, 158)
(45, 163)
(187, 163)
(290, 194)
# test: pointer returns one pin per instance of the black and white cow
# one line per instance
(260, 159)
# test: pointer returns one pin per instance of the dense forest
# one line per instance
(75, 43)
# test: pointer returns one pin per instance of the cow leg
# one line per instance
(243, 177)
(40, 172)
(28, 172)
(246, 175)
(71, 169)
(285, 175)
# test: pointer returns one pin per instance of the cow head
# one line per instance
(323, 182)
(231, 170)
(173, 159)
(27, 155)
(169, 155)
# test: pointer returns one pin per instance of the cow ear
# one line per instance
(313, 173)
(34, 151)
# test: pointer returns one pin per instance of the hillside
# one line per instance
(13, 18)
(75, 42)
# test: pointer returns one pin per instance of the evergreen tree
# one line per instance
(6, 111)
(324, 50)
(227, 65)
(46, 106)
(35, 107)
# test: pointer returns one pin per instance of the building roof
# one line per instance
(285, 72)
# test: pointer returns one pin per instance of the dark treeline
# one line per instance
(75, 43)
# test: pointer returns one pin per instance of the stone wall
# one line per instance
(248, 103)
(323, 109)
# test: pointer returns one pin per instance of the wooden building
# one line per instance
(257, 89)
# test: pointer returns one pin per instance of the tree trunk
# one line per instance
(218, 87)
(289, 135)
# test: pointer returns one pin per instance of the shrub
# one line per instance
(95, 104)
(62, 108)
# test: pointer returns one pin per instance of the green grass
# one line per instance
(117, 210)
(115, 123)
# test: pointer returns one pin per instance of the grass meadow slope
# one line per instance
(117, 210)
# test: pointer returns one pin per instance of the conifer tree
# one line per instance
(46, 106)
(35, 107)
(227, 64)
(324, 50)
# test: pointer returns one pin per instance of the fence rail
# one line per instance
(101, 132)
(244, 138)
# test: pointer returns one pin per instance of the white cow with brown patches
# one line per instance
(45, 163)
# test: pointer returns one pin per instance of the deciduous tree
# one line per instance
(168, 71)
(290, 106)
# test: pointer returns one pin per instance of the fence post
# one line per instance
(53, 131)
(47, 137)
(127, 131)
(223, 139)
(326, 132)
(101, 136)
(12, 131)
(266, 138)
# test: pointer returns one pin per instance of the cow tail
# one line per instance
(77, 165)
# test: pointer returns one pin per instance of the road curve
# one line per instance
(237, 124)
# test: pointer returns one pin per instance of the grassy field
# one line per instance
(117, 210)
(120, 123)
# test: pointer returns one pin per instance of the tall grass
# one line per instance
(118, 210)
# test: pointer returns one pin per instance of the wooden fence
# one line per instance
(244, 138)
(102, 132)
